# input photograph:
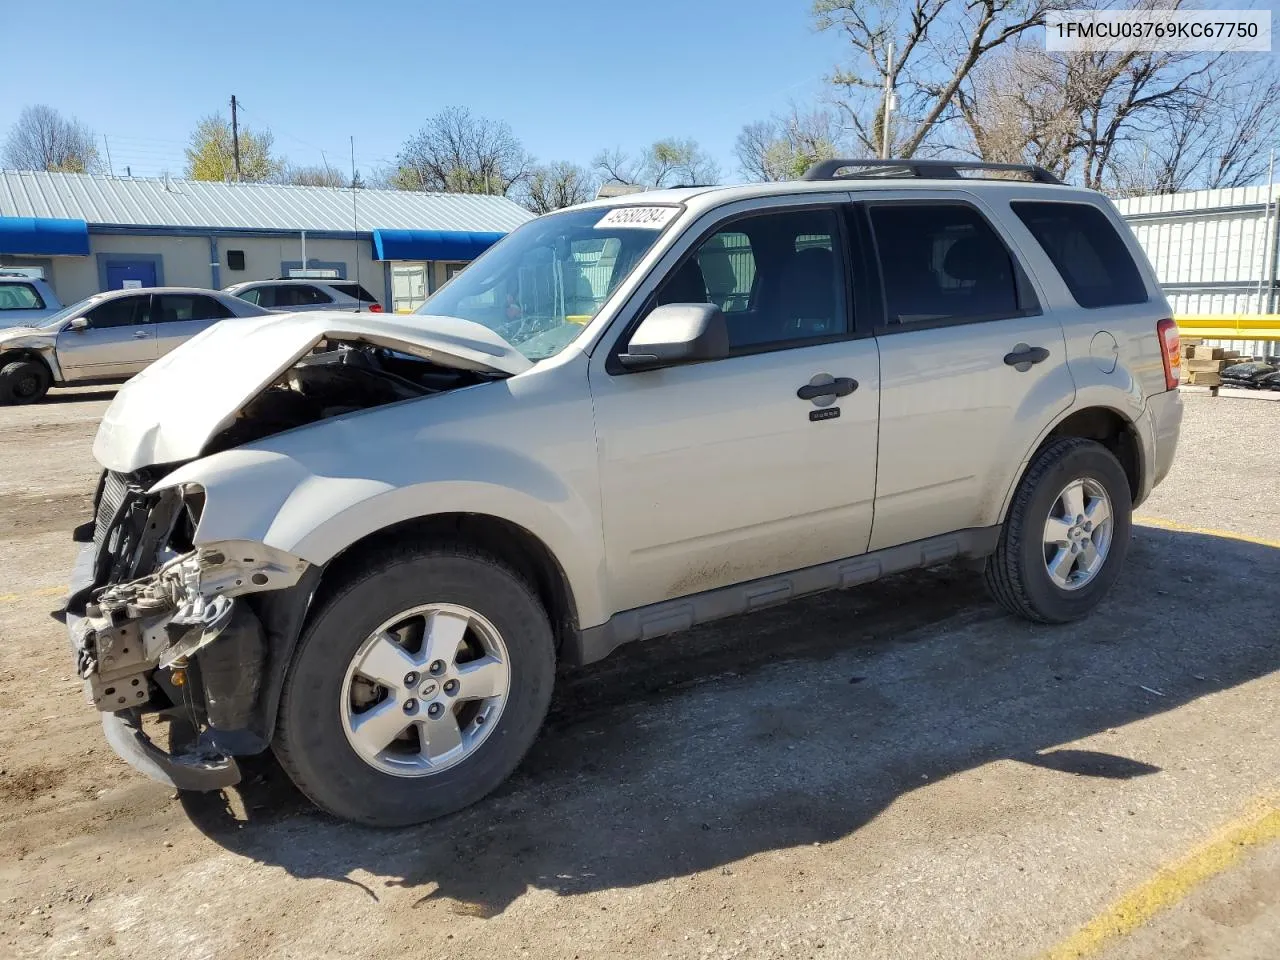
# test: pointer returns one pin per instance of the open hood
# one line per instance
(171, 410)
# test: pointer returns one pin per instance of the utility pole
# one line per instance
(235, 136)
(890, 102)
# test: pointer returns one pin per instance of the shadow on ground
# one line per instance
(797, 726)
(80, 396)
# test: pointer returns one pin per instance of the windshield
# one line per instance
(53, 321)
(539, 287)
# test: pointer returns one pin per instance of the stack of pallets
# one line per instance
(1202, 365)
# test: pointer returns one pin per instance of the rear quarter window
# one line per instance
(1087, 251)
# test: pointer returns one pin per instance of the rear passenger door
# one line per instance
(971, 367)
(180, 316)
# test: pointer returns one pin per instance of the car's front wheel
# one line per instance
(417, 689)
(23, 381)
(1066, 534)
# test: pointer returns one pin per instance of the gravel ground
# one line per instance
(893, 771)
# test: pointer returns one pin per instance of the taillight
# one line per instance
(377, 308)
(1167, 331)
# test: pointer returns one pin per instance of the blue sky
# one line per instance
(570, 76)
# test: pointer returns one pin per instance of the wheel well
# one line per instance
(10, 356)
(514, 545)
(1112, 431)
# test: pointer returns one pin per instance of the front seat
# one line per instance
(984, 264)
(686, 285)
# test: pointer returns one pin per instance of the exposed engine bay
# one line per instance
(341, 378)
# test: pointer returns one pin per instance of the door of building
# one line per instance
(122, 274)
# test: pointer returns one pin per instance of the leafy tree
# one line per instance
(458, 152)
(43, 139)
(211, 154)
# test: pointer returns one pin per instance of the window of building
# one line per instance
(1091, 257)
(942, 262)
(235, 259)
(776, 276)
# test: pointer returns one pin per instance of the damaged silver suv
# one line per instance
(365, 542)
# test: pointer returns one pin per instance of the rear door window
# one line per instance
(20, 296)
(179, 307)
(942, 263)
(1083, 244)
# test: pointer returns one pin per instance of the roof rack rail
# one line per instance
(933, 169)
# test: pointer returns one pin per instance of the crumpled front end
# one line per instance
(161, 626)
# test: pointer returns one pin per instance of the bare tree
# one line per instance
(457, 152)
(664, 163)
(943, 41)
(43, 139)
(314, 176)
(556, 185)
(784, 147)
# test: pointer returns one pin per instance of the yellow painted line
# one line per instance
(1161, 524)
(1172, 883)
(38, 592)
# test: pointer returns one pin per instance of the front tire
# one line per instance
(24, 381)
(418, 687)
(1066, 534)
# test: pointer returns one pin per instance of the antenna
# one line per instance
(355, 224)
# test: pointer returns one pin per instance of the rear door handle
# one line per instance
(140, 335)
(839, 387)
(1023, 357)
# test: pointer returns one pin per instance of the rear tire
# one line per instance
(424, 599)
(23, 381)
(1042, 568)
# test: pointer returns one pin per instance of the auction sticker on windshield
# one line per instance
(645, 218)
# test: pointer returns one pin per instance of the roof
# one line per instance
(154, 202)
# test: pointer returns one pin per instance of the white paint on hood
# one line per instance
(171, 410)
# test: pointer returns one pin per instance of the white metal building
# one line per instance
(86, 233)
(1214, 251)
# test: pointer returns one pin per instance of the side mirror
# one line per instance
(79, 323)
(677, 333)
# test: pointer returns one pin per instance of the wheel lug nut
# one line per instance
(451, 687)
(437, 667)
(411, 706)
(411, 679)
(434, 710)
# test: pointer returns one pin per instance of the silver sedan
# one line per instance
(107, 337)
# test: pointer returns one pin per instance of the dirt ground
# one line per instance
(894, 771)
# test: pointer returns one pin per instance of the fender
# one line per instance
(314, 491)
(1119, 392)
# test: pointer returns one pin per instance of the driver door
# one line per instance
(717, 473)
(119, 341)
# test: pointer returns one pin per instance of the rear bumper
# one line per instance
(203, 767)
(1165, 410)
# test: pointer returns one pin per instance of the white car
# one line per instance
(366, 541)
(25, 300)
(289, 295)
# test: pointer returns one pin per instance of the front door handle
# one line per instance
(839, 387)
(140, 335)
(1023, 357)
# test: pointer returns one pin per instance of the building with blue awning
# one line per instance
(88, 232)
